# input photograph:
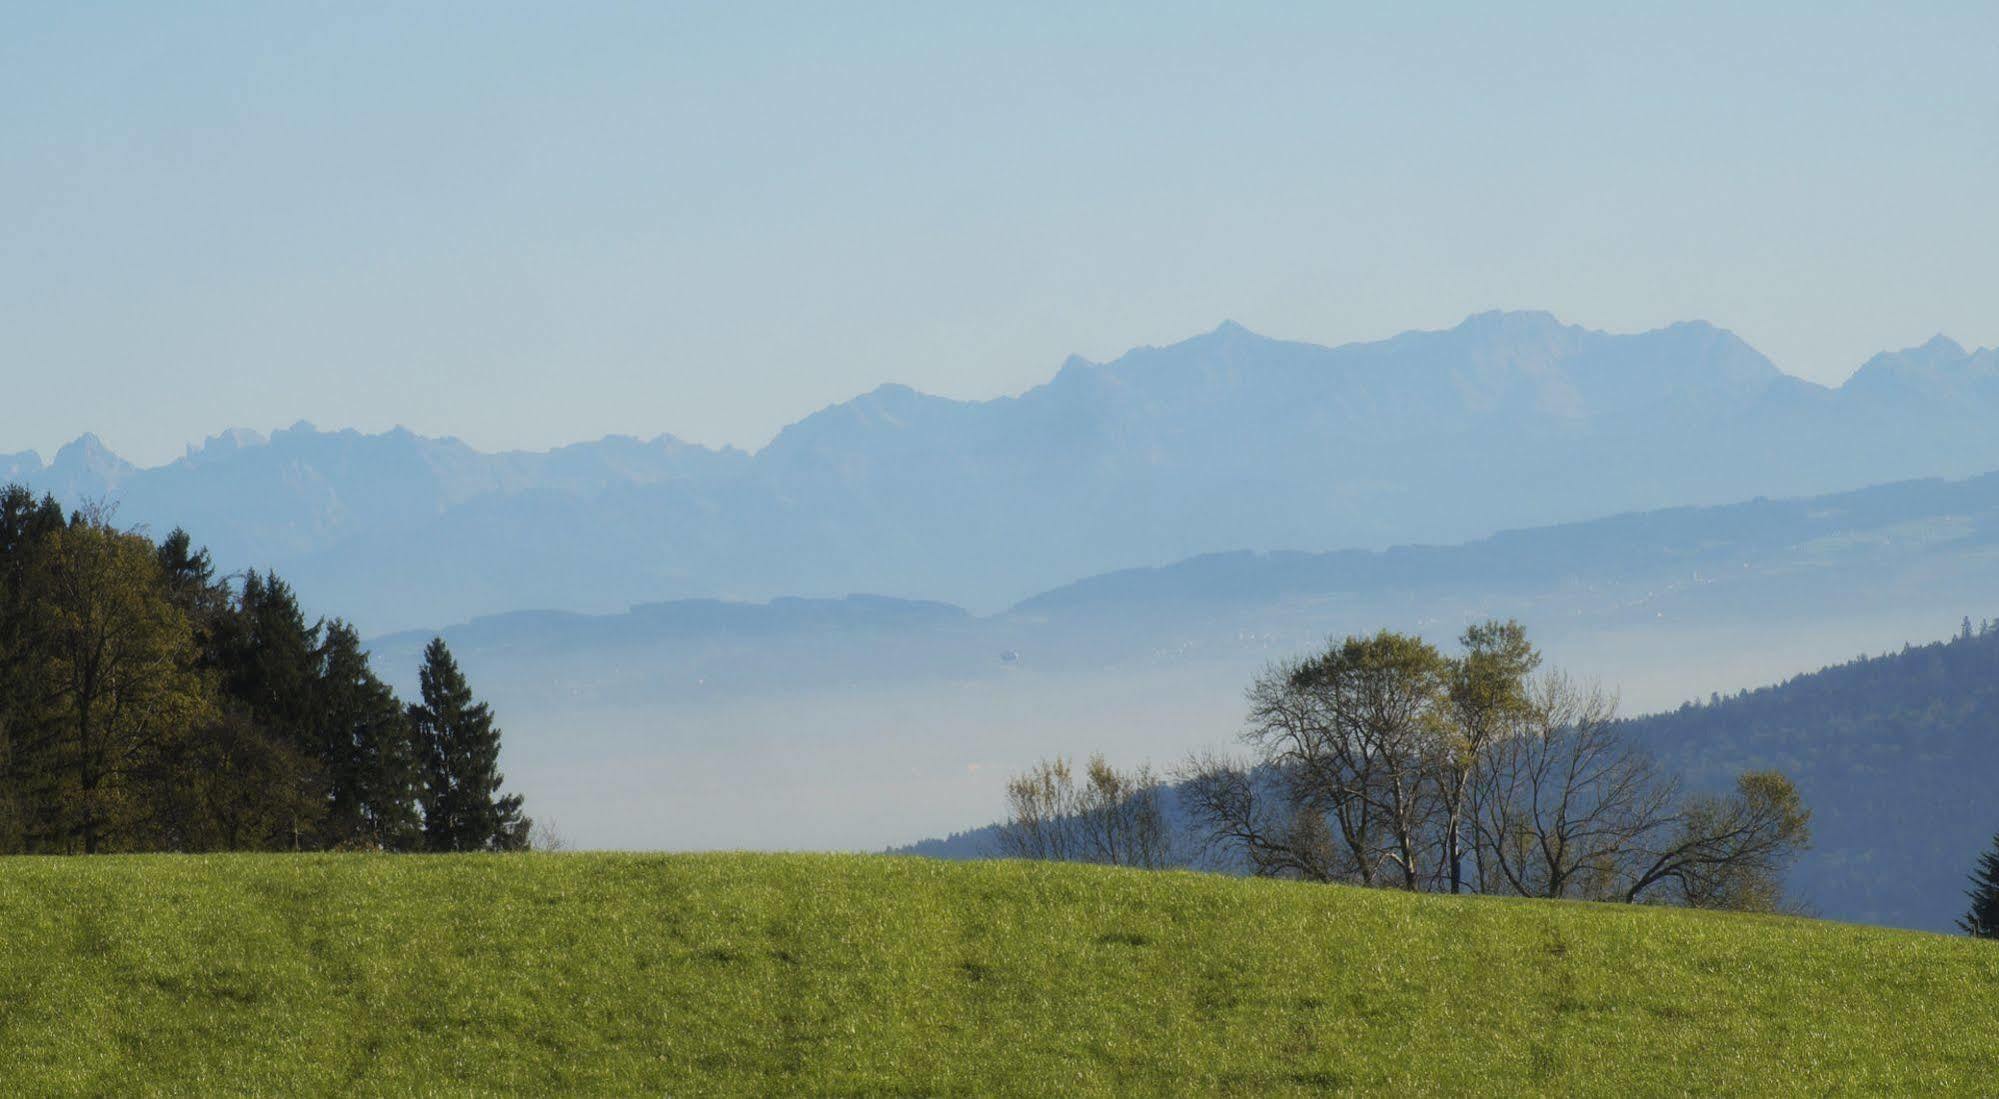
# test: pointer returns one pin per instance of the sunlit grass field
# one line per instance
(629, 974)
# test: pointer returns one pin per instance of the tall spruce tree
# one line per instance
(271, 660)
(367, 748)
(463, 809)
(270, 663)
(189, 575)
(26, 730)
(1982, 920)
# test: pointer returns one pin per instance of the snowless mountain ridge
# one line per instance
(87, 459)
(1225, 441)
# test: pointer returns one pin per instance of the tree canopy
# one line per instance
(147, 704)
(1383, 761)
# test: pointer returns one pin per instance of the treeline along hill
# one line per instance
(148, 704)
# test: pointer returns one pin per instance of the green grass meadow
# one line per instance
(763, 974)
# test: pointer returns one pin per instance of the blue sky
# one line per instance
(530, 224)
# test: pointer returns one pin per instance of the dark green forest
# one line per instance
(149, 704)
(1896, 754)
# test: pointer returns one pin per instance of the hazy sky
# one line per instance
(526, 225)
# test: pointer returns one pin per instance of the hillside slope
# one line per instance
(1896, 754)
(823, 974)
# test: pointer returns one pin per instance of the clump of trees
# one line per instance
(147, 704)
(1382, 761)
(1113, 817)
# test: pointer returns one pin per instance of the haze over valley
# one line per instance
(1108, 558)
(872, 722)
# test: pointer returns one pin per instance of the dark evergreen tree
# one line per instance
(462, 804)
(367, 748)
(1982, 920)
(24, 521)
(270, 660)
(270, 663)
(27, 732)
(191, 583)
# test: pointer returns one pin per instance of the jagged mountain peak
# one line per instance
(1938, 369)
(1224, 440)
(19, 465)
(1230, 330)
(1943, 346)
(225, 442)
(88, 452)
(1513, 320)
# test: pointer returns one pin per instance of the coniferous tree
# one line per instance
(367, 749)
(26, 732)
(463, 807)
(189, 575)
(270, 662)
(1982, 920)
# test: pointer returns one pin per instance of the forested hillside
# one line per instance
(1898, 756)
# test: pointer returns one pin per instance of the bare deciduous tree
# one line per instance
(1038, 805)
(1571, 809)
(1120, 819)
(1351, 740)
(1113, 817)
(1252, 817)
(544, 836)
(1729, 851)
(1565, 803)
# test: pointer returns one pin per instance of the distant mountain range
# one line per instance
(1927, 548)
(1226, 441)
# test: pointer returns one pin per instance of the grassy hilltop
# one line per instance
(814, 974)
